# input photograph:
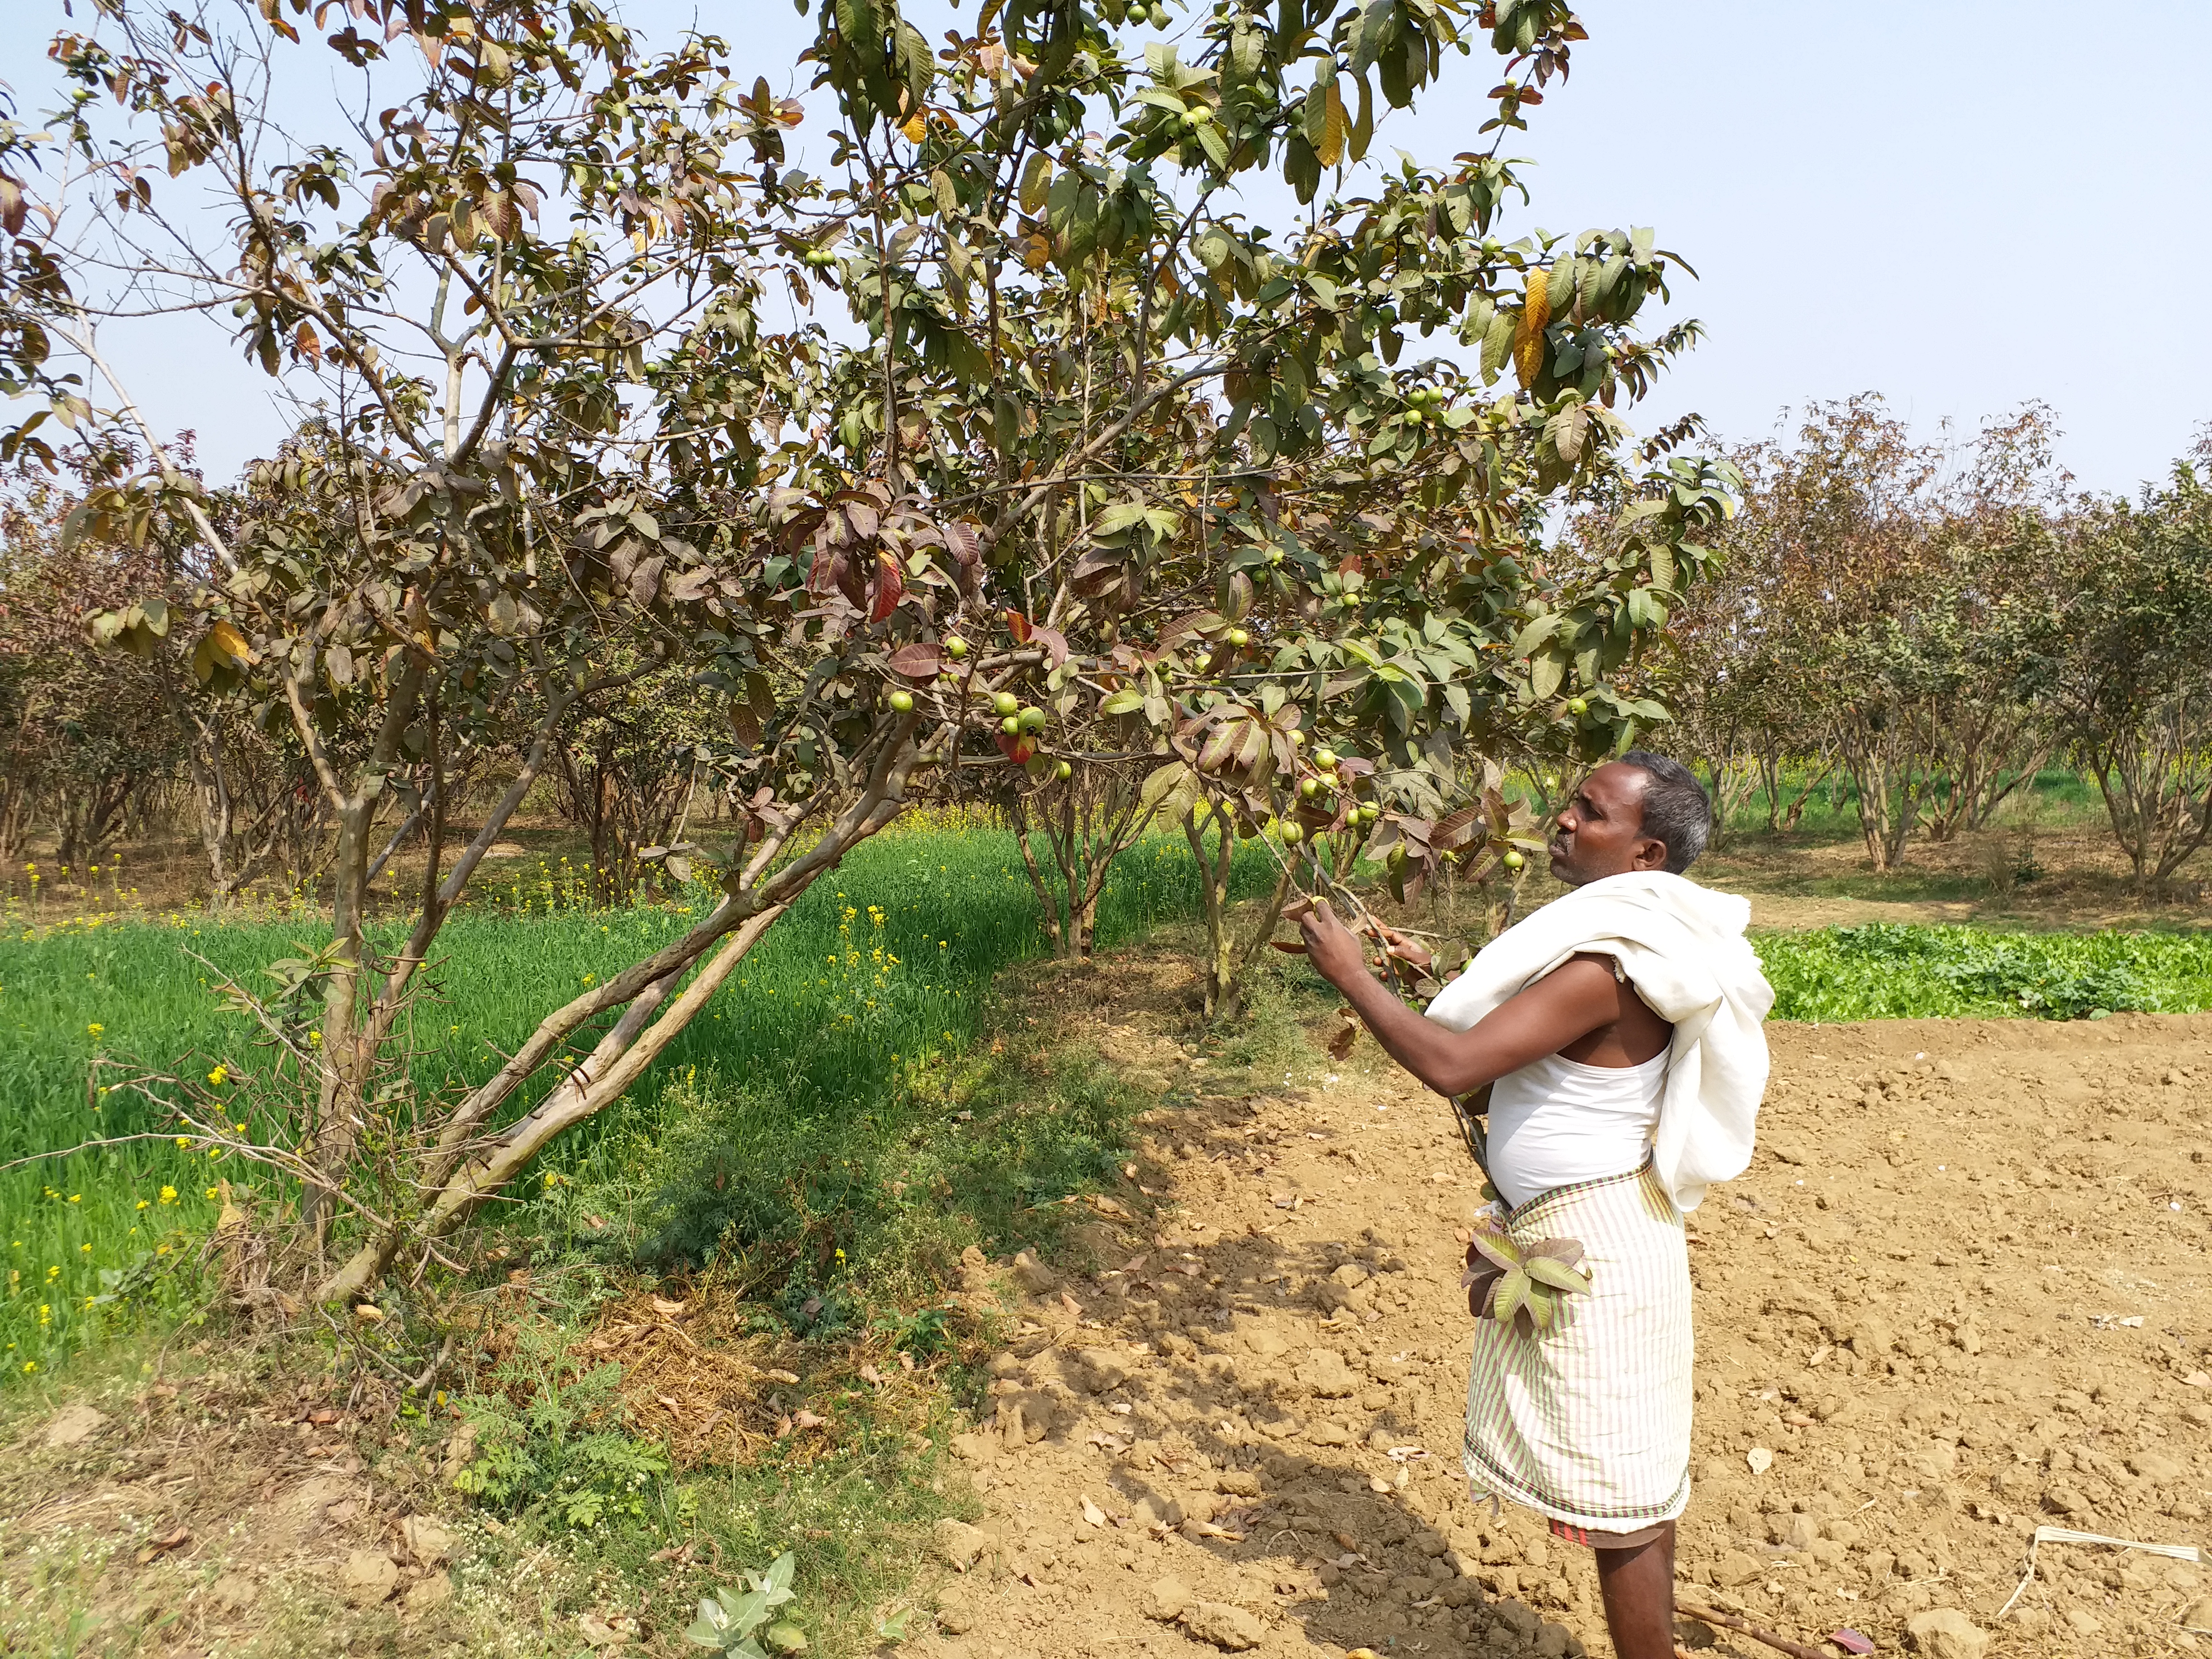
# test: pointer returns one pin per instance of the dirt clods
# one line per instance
(72, 1425)
(367, 1577)
(1946, 1633)
(1228, 1627)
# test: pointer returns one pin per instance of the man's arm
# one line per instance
(1568, 1003)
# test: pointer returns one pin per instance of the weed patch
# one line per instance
(1891, 970)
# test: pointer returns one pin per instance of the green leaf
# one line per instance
(1363, 128)
(1543, 1307)
(1119, 517)
(1530, 637)
(1126, 701)
(1495, 1246)
(1512, 1291)
(1497, 344)
(1557, 1274)
(1037, 180)
(1160, 782)
(1545, 673)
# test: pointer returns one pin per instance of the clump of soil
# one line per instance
(1961, 1293)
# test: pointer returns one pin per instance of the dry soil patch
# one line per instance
(1962, 1291)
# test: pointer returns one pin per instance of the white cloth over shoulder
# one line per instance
(1683, 947)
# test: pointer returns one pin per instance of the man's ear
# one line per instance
(1650, 854)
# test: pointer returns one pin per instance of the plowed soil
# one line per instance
(1962, 1293)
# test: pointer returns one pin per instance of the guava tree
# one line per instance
(1219, 497)
(1094, 455)
(2120, 646)
(1872, 607)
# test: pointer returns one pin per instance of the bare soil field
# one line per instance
(1962, 1293)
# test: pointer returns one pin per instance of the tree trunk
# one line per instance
(470, 1161)
(1229, 956)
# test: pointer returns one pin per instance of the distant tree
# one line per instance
(1869, 609)
(83, 740)
(2122, 652)
(628, 773)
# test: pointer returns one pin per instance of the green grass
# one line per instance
(2058, 798)
(876, 979)
(1889, 971)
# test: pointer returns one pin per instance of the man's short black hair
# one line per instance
(1677, 813)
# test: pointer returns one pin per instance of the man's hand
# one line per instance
(1334, 949)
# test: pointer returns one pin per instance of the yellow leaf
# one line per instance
(232, 643)
(1535, 315)
(1037, 253)
(917, 127)
(1335, 130)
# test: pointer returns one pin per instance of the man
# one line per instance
(1621, 1027)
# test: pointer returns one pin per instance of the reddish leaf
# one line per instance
(918, 661)
(1054, 643)
(1456, 831)
(1018, 625)
(889, 586)
(853, 582)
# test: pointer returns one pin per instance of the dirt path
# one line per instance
(1963, 1291)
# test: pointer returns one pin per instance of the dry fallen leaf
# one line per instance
(164, 1544)
(780, 1376)
(598, 1632)
(662, 1305)
(1760, 1460)
(1092, 1513)
(805, 1420)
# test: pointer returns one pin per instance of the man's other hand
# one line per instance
(1333, 948)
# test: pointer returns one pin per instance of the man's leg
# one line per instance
(1638, 1587)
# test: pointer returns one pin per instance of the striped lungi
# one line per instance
(1588, 1423)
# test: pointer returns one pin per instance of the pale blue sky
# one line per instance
(1960, 204)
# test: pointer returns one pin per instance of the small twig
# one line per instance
(421, 1384)
(1729, 1621)
(87, 1147)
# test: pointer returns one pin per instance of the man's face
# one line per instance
(1600, 831)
